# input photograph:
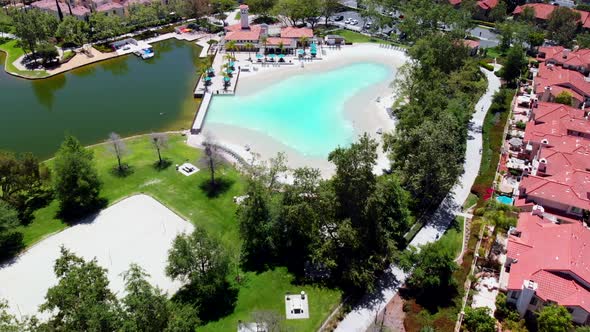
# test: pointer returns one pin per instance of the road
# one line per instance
(360, 318)
(487, 37)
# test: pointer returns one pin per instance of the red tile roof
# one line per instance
(109, 6)
(455, 2)
(50, 5)
(563, 56)
(275, 41)
(292, 32)
(252, 34)
(570, 187)
(244, 6)
(551, 75)
(543, 10)
(471, 43)
(551, 255)
(487, 4)
(556, 120)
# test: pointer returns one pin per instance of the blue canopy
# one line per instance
(231, 63)
(281, 56)
(229, 71)
(259, 56)
(207, 79)
(211, 70)
(272, 56)
(300, 52)
(227, 79)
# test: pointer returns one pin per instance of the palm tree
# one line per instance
(203, 69)
(282, 47)
(303, 42)
(249, 46)
(231, 46)
(264, 40)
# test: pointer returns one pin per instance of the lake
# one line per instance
(126, 95)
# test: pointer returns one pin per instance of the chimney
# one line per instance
(244, 17)
(546, 94)
(529, 289)
(565, 53)
(543, 165)
(538, 210)
(264, 29)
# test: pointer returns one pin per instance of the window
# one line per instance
(570, 310)
(576, 210)
(514, 295)
(533, 301)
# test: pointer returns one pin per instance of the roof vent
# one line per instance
(545, 141)
(543, 160)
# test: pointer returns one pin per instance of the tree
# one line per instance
(261, 7)
(291, 10)
(513, 64)
(10, 323)
(211, 159)
(33, 27)
(11, 241)
(183, 318)
(249, 47)
(528, 15)
(479, 320)
(562, 25)
(565, 98)
(23, 184)
(498, 13)
(119, 149)
(256, 228)
(329, 8)
(198, 259)
(583, 40)
(76, 184)
(159, 142)
(219, 7)
(432, 270)
(554, 318)
(145, 307)
(73, 31)
(104, 26)
(47, 52)
(81, 300)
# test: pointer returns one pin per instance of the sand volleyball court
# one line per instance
(136, 230)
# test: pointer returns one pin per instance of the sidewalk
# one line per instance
(360, 318)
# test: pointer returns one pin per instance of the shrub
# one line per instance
(486, 65)
(521, 125)
(104, 48)
(68, 55)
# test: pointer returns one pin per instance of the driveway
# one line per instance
(360, 318)
(488, 38)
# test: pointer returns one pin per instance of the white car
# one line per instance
(354, 22)
(347, 21)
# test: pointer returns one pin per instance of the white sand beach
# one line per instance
(138, 230)
(363, 109)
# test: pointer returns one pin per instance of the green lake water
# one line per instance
(126, 95)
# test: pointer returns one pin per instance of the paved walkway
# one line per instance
(360, 318)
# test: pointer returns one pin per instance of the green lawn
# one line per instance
(217, 215)
(470, 201)
(452, 239)
(355, 37)
(14, 52)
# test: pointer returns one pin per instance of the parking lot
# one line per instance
(359, 25)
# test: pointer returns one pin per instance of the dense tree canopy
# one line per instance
(554, 318)
(479, 320)
(33, 26)
(76, 182)
(562, 25)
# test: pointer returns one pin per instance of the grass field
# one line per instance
(13, 52)
(217, 215)
(355, 37)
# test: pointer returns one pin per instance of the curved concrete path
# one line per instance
(360, 318)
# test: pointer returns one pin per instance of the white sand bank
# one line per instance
(361, 109)
(136, 230)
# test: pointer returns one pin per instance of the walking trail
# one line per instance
(361, 317)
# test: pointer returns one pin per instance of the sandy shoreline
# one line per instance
(361, 109)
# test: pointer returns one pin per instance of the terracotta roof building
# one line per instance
(578, 60)
(551, 80)
(549, 262)
(544, 10)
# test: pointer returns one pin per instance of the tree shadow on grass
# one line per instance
(122, 172)
(214, 302)
(213, 190)
(160, 166)
(431, 300)
(11, 243)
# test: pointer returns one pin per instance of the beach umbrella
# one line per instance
(229, 71)
(300, 52)
(259, 56)
(226, 79)
(231, 63)
(207, 79)
(272, 56)
(281, 56)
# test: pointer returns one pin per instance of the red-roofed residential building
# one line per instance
(544, 10)
(484, 7)
(549, 262)
(578, 60)
(50, 6)
(552, 80)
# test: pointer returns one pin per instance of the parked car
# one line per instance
(348, 21)
(338, 18)
(354, 22)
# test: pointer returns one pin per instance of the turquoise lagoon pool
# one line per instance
(304, 112)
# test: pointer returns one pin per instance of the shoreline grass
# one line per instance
(181, 194)
(12, 52)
